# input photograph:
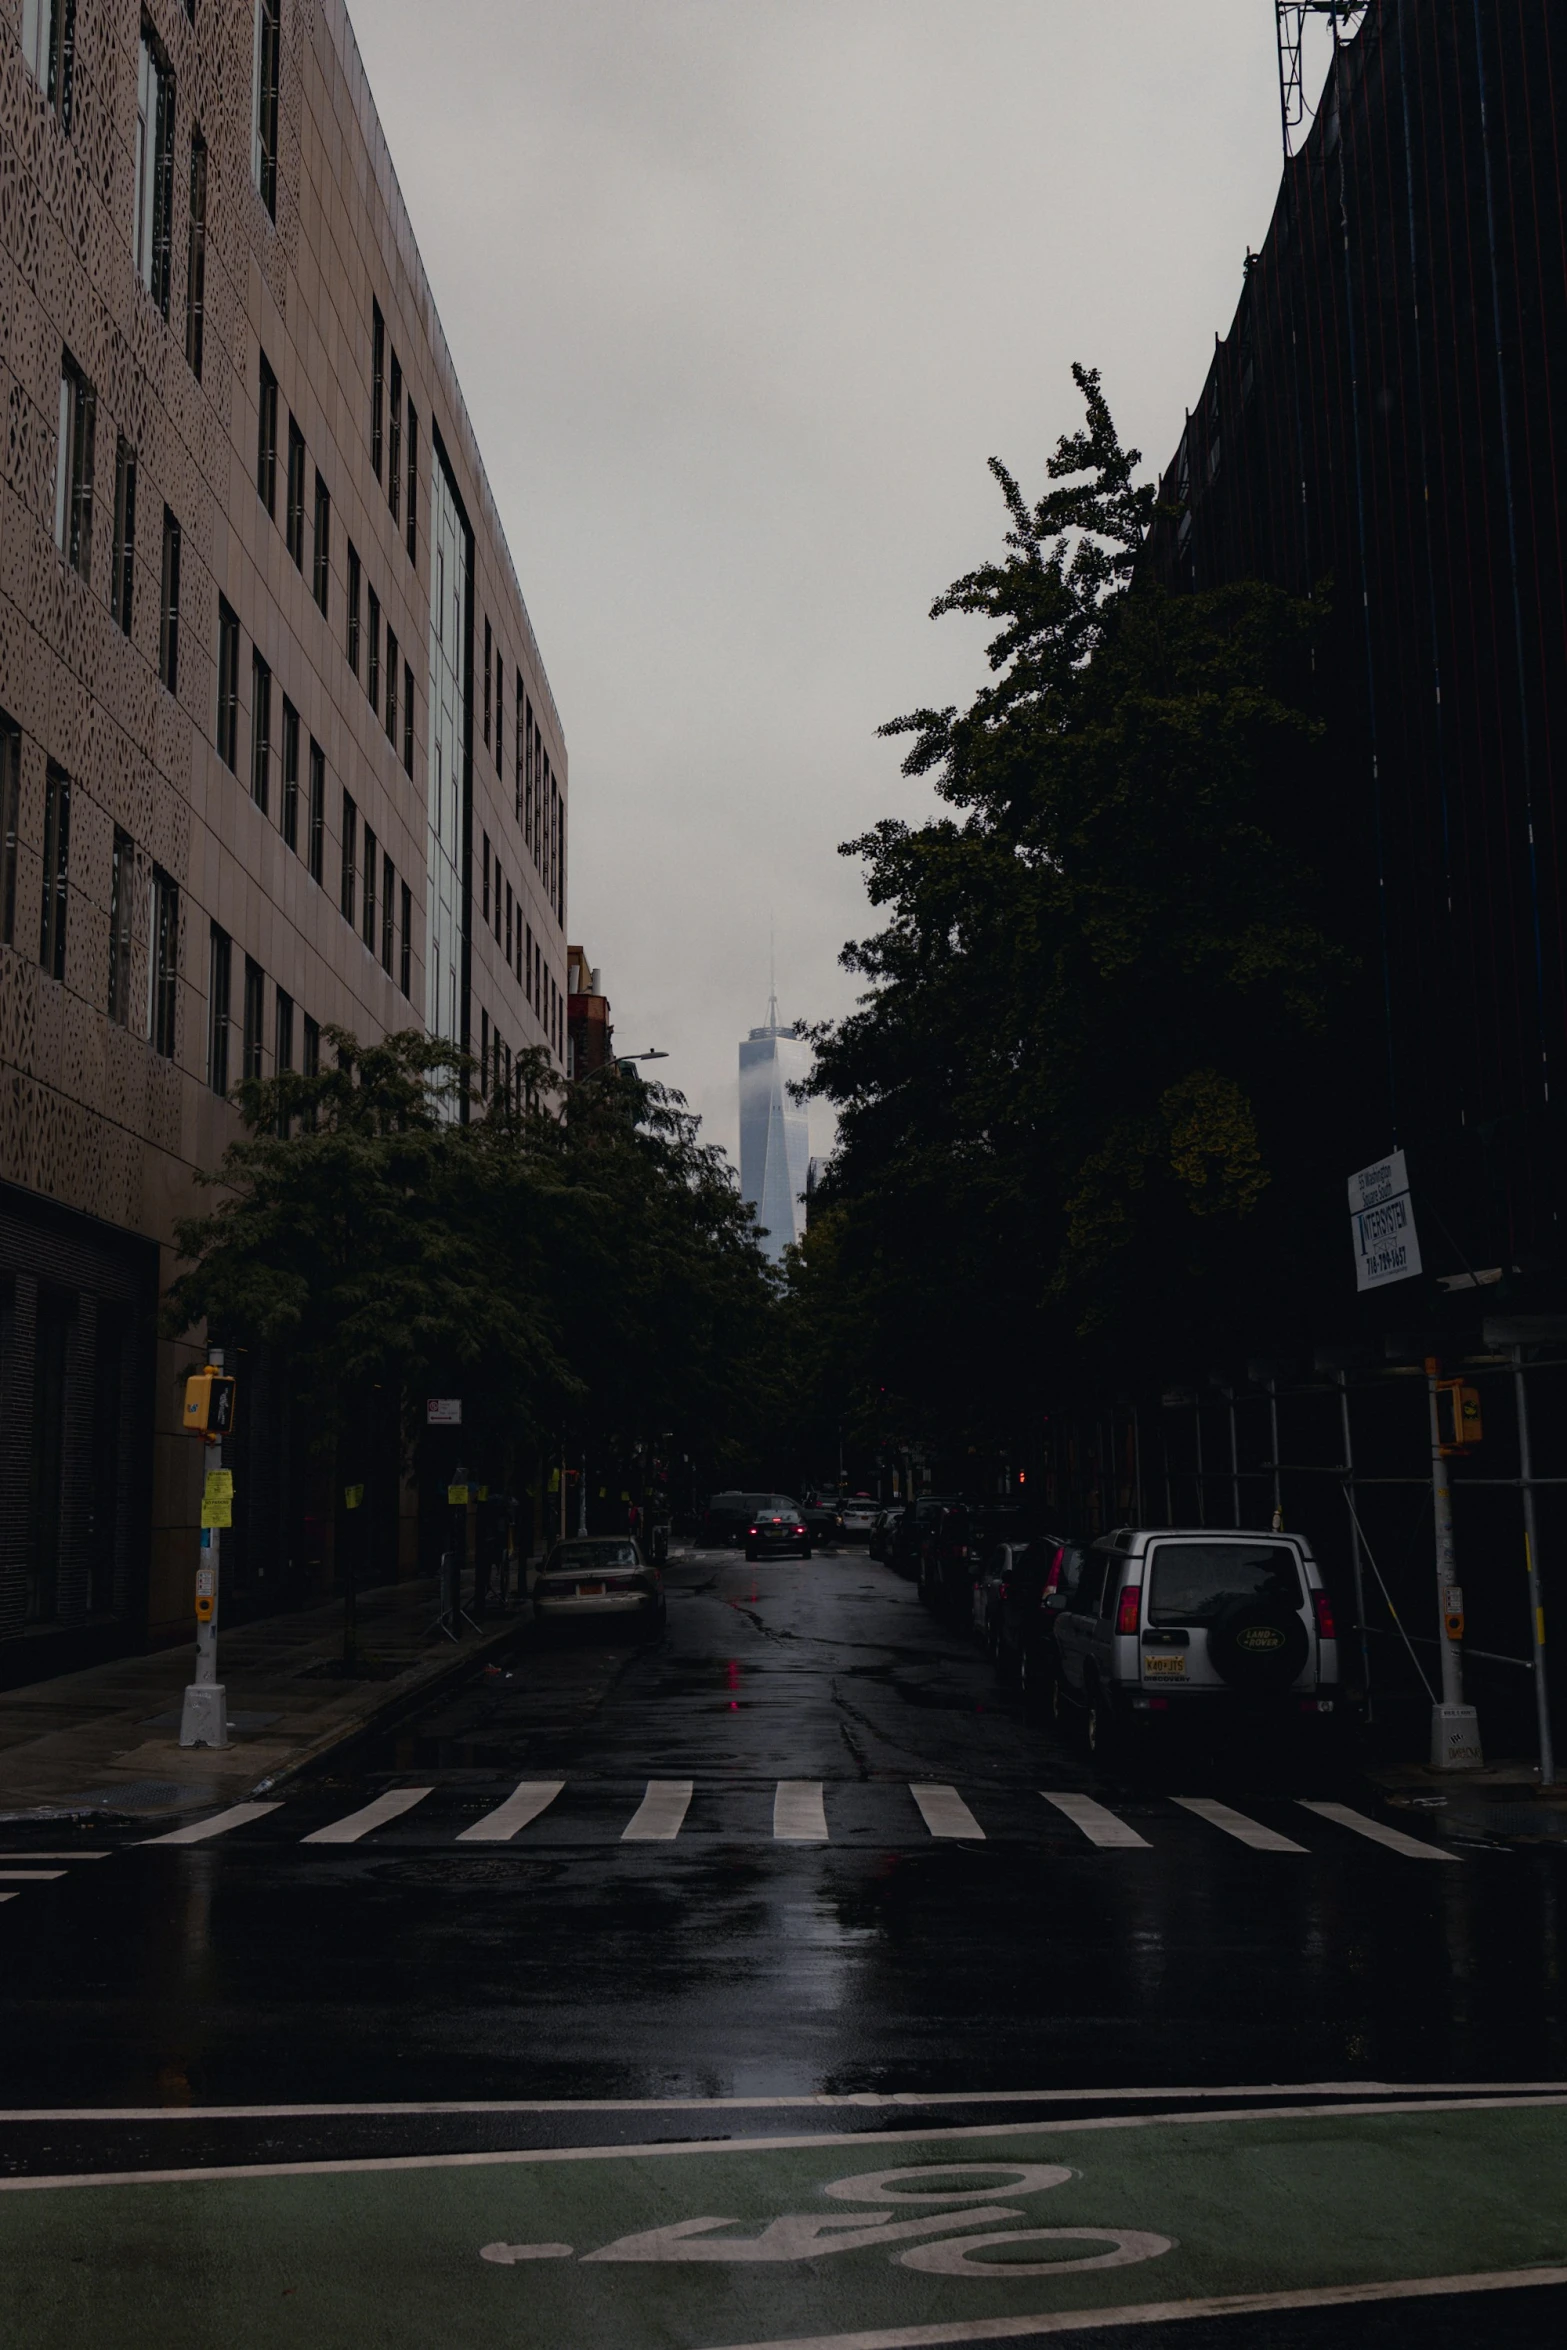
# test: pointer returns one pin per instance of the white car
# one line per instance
(600, 1579)
(1184, 1623)
(857, 1515)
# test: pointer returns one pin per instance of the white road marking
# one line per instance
(386, 1807)
(1393, 1838)
(1153, 2313)
(799, 1813)
(1236, 1824)
(54, 1856)
(660, 1815)
(30, 1876)
(219, 1825)
(1098, 1825)
(526, 1801)
(7, 1896)
(945, 1812)
(673, 2148)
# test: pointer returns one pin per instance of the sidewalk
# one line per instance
(106, 1740)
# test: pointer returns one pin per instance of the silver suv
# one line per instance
(1193, 1623)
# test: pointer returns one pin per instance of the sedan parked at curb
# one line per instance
(600, 1579)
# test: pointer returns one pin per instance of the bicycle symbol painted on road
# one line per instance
(926, 2234)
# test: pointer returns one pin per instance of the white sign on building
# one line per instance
(1382, 1221)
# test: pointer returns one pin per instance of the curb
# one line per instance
(400, 1697)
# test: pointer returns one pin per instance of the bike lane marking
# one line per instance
(756, 2246)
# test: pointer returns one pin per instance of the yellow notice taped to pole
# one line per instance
(217, 1498)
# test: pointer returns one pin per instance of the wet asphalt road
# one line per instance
(730, 1960)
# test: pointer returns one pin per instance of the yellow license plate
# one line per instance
(1164, 1668)
(590, 1590)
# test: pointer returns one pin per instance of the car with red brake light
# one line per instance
(777, 1528)
(1184, 1624)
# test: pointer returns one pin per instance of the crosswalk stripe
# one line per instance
(1412, 1847)
(945, 1813)
(799, 1814)
(7, 1896)
(30, 1876)
(1236, 1824)
(202, 1831)
(1098, 1825)
(386, 1807)
(526, 1801)
(54, 1856)
(660, 1815)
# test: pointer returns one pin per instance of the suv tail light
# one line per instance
(1053, 1579)
(1325, 1629)
(1130, 1609)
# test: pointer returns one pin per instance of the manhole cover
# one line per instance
(151, 1794)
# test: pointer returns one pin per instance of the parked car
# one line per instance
(857, 1516)
(883, 1531)
(1188, 1624)
(777, 1528)
(600, 1579)
(1022, 1590)
(949, 1558)
(914, 1530)
(729, 1515)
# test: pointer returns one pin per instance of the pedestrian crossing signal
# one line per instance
(1457, 1415)
(209, 1405)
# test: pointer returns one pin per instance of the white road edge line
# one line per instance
(945, 1813)
(31, 1876)
(7, 1896)
(1236, 1824)
(220, 1823)
(1152, 2313)
(491, 2156)
(799, 1812)
(1098, 1825)
(864, 2100)
(55, 1856)
(1412, 1847)
(355, 1824)
(660, 1816)
(526, 1801)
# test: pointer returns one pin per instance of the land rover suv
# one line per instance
(1195, 1624)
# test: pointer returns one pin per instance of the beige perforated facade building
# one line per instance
(277, 748)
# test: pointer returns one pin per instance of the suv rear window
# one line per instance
(1193, 1581)
(598, 1553)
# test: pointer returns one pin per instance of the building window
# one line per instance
(391, 687)
(353, 608)
(57, 863)
(153, 219)
(196, 258)
(264, 121)
(377, 382)
(321, 566)
(310, 1058)
(122, 575)
(528, 969)
(169, 605)
(527, 804)
(163, 958)
(228, 684)
(407, 901)
(348, 893)
(373, 603)
(484, 1054)
(260, 731)
(74, 468)
(516, 746)
(10, 823)
(408, 716)
(510, 955)
(282, 1032)
(49, 46)
(368, 928)
(255, 1007)
(316, 836)
(122, 868)
(394, 452)
(290, 775)
(413, 483)
(294, 527)
(388, 910)
(487, 664)
(266, 439)
(219, 960)
(486, 882)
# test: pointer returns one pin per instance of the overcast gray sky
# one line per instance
(743, 294)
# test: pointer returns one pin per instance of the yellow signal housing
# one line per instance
(1459, 1426)
(209, 1405)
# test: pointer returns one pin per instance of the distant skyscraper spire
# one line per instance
(774, 1145)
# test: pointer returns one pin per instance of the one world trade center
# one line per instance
(773, 1130)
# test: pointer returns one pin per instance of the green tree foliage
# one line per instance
(1080, 1098)
(572, 1267)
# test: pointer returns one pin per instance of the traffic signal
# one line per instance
(1457, 1415)
(209, 1405)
